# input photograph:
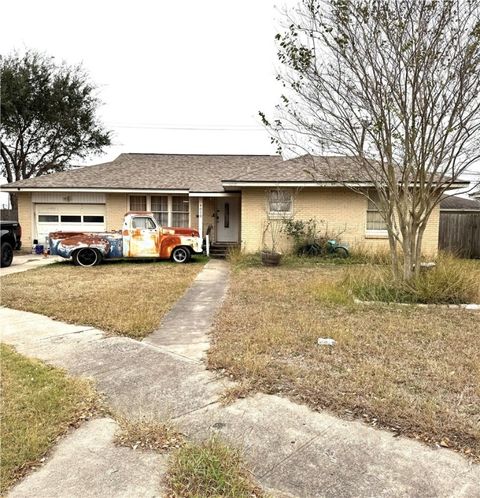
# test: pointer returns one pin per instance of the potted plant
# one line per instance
(271, 256)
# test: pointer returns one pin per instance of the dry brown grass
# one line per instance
(416, 371)
(126, 298)
(148, 433)
(39, 404)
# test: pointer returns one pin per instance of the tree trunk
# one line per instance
(394, 255)
(14, 201)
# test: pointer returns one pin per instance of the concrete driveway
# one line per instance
(24, 262)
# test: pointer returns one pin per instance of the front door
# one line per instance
(228, 219)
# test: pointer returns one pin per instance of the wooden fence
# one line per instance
(460, 233)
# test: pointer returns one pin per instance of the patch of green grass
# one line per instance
(123, 297)
(39, 403)
(210, 469)
(358, 256)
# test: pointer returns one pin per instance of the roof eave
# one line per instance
(94, 189)
(253, 183)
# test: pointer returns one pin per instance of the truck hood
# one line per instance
(187, 232)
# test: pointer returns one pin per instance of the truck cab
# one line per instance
(144, 237)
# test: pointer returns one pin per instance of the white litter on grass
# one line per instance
(326, 341)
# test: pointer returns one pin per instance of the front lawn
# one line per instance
(413, 370)
(39, 403)
(126, 298)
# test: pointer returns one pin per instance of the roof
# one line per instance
(199, 173)
(455, 203)
(190, 172)
(306, 169)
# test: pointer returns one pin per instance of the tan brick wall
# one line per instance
(25, 218)
(116, 207)
(340, 209)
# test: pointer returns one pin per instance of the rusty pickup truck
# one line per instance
(140, 237)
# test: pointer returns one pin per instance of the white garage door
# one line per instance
(68, 217)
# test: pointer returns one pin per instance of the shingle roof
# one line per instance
(197, 173)
(459, 204)
(306, 169)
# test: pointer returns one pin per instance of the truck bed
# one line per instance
(65, 243)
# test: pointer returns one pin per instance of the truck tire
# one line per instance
(6, 256)
(87, 257)
(181, 255)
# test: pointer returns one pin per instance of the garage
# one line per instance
(67, 216)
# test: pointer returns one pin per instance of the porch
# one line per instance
(217, 216)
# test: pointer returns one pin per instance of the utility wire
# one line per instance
(188, 127)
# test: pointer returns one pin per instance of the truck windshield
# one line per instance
(143, 222)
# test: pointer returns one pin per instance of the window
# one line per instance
(280, 202)
(226, 216)
(67, 218)
(167, 210)
(143, 223)
(138, 203)
(375, 221)
(93, 219)
(159, 206)
(180, 210)
(47, 218)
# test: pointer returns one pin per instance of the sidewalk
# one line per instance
(292, 450)
(24, 262)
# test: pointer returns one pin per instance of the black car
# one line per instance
(11, 233)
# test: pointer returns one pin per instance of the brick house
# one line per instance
(230, 197)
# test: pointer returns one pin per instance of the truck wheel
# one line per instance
(6, 256)
(181, 255)
(86, 256)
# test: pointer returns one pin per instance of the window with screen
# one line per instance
(159, 207)
(280, 202)
(180, 211)
(375, 221)
(138, 203)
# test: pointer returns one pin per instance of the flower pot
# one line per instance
(271, 258)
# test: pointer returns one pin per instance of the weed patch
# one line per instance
(209, 469)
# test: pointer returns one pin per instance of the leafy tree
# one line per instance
(48, 116)
(393, 83)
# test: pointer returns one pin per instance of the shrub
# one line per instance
(451, 281)
(310, 237)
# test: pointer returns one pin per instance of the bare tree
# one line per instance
(394, 84)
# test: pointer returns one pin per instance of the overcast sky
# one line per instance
(179, 77)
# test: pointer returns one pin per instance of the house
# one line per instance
(230, 197)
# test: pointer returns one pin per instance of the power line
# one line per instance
(153, 126)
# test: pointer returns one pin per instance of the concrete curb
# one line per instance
(469, 307)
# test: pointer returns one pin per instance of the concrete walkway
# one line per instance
(24, 262)
(185, 329)
(87, 463)
(292, 450)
